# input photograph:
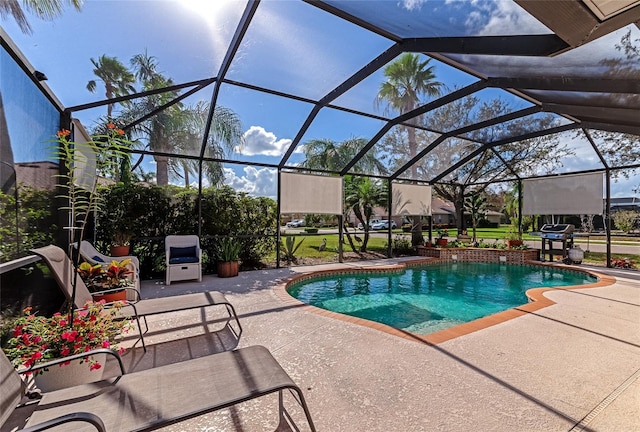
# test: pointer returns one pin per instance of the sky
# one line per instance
(290, 47)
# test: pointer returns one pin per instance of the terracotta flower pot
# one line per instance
(442, 242)
(228, 269)
(111, 297)
(119, 251)
(514, 243)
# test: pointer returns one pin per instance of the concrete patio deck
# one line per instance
(572, 366)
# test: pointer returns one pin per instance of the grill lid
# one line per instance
(557, 228)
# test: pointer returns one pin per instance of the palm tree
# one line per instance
(476, 205)
(117, 79)
(328, 155)
(44, 9)
(179, 129)
(331, 156)
(362, 196)
(408, 78)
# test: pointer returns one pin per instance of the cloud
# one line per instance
(254, 181)
(412, 5)
(503, 17)
(257, 141)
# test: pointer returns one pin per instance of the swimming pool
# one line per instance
(428, 298)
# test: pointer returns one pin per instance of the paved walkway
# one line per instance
(572, 366)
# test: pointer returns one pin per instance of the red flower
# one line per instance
(70, 336)
(111, 126)
(63, 133)
(119, 131)
(95, 366)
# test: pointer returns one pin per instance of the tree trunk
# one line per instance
(162, 170)
(458, 203)
(416, 226)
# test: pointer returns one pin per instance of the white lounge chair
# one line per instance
(91, 255)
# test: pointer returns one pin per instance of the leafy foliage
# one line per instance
(33, 213)
(36, 338)
(228, 250)
(289, 249)
(625, 220)
(152, 212)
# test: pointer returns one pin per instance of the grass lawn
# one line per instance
(311, 243)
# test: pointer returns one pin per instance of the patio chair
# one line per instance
(153, 398)
(183, 258)
(62, 269)
(92, 256)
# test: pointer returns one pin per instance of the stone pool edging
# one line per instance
(536, 297)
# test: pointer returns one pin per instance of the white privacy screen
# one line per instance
(303, 193)
(84, 158)
(411, 200)
(566, 195)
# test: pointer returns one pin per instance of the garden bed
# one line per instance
(512, 256)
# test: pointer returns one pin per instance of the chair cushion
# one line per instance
(183, 260)
(179, 252)
(98, 259)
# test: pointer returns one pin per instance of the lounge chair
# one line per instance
(183, 258)
(154, 398)
(91, 255)
(63, 270)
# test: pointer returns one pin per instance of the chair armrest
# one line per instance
(54, 362)
(134, 260)
(85, 417)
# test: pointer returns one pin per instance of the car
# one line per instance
(296, 223)
(383, 224)
(371, 222)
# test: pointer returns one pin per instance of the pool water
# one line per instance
(432, 297)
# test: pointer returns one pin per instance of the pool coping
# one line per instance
(537, 299)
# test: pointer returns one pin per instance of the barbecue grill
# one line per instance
(550, 233)
(557, 231)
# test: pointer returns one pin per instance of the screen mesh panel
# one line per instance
(303, 193)
(567, 195)
(411, 200)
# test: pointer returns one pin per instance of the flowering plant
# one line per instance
(37, 338)
(113, 276)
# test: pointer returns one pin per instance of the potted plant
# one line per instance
(513, 237)
(35, 339)
(107, 283)
(121, 246)
(228, 253)
(441, 240)
(464, 236)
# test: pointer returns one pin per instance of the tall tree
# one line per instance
(617, 148)
(533, 156)
(44, 9)
(476, 205)
(117, 79)
(362, 196)
(407, 80)
(179, 129)
(332, 156)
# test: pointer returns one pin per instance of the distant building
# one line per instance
(627, 203)
(38, 175)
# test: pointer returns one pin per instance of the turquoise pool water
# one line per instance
(433, 297)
